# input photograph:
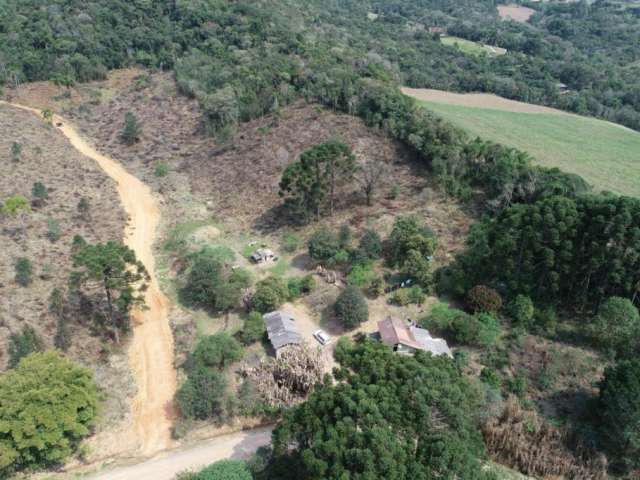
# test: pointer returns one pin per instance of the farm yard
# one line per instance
(609, 160)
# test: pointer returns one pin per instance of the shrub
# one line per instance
(545, 318)
(298, 286)
(400, 297)
(269, 295)
(83, 207)
(202, 395)
(465, 329)
(491, 377)
(217, 351)
(360, 275)
(416, 295)
(47, 405)
(39, 191)
(489, 329)
(517, 385)
(323, 245)
(290, 242)
(370, 244)
(161, 169)
(345, 237)
(351, 307)
(440, 317)
(22, 344)
(132, 130)
(14, 205)
(522, 311)
(483, 299)
(617, 325)
(53, 229)
(619, 409)
(24, 271)
(254, 328)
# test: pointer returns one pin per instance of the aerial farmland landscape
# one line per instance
(321, 240)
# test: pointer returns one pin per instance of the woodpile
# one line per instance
(288, 379)
(522, 440)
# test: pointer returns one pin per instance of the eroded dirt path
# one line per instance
(151, 348)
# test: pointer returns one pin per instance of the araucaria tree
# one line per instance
(132, 130)
(309, 185)
(112, 270)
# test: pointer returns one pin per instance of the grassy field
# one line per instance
(471, 48)
(606, 155)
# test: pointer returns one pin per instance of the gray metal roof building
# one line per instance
(281, 329)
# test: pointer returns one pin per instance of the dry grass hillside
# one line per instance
(48, 158)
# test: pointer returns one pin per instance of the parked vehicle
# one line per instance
(322, 337)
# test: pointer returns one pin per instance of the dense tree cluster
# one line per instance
(390, 416)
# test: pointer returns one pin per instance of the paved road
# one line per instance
(166, 466)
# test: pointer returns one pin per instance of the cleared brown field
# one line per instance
(515, 12)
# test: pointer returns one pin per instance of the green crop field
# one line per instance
(606, 155)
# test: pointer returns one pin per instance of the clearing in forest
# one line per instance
(515, 12)
(472, 48)
(605, 154)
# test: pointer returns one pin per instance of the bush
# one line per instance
(370, 244)
(217, 351)
(24, 271)
(47, 405)
(400, 297)
(545, 319)
(416, 295)
(254, 328)
(619, 409)
(131, 131)
(345, 237)
(351, 307)
(483, 299)
(522, 311)
(269, 295)
(323, 245)
(290, 242)
(53, 229)
(418, 268)
(465, 329)
(517, 385)
(202, 394)
(23, 344)
(491, 377)
(161, 169)
(617, 325)
(360, 275)
(440, 317)
(489, 329)
(39, 191)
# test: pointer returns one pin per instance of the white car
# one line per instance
(322, 337)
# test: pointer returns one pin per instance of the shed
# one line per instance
(281, 330)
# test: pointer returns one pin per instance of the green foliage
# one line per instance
(15, 205)
(361, 275)
(202, 395)
(546, 319)
(323, 245)
(161, 169)
(407, 296)
(39, 191)
(217, 351)
(619, 410)
(211, 283)
(53, 230)
(309, 185)
(298, 286)
(491, 377)
(409, 235)
(351, 307)
(521, 310)
(16, 151)
(269, 295)
(465, 329)
(517, 385)
(370, 244)
(47, 405)
(131, 131)
(290, 242)
(224, 470)
(24, 271)
(379, 436)
(483, 299)
(345, 237)
(254, 328)
(616, 326)
(113, 270)
(23, 344)
(489, 331)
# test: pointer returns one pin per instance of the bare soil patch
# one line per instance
(515, 12)
(479, 100)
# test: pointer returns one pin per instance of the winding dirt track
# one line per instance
(151, 349)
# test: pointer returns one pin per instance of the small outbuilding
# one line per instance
(407, 338)
(281, 330)
(262, 255)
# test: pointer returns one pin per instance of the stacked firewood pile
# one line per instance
(522, 440)
(287, 380)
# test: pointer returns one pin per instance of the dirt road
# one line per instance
(239, 445)
(151, 348)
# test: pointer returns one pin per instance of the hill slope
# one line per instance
(605, 154)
